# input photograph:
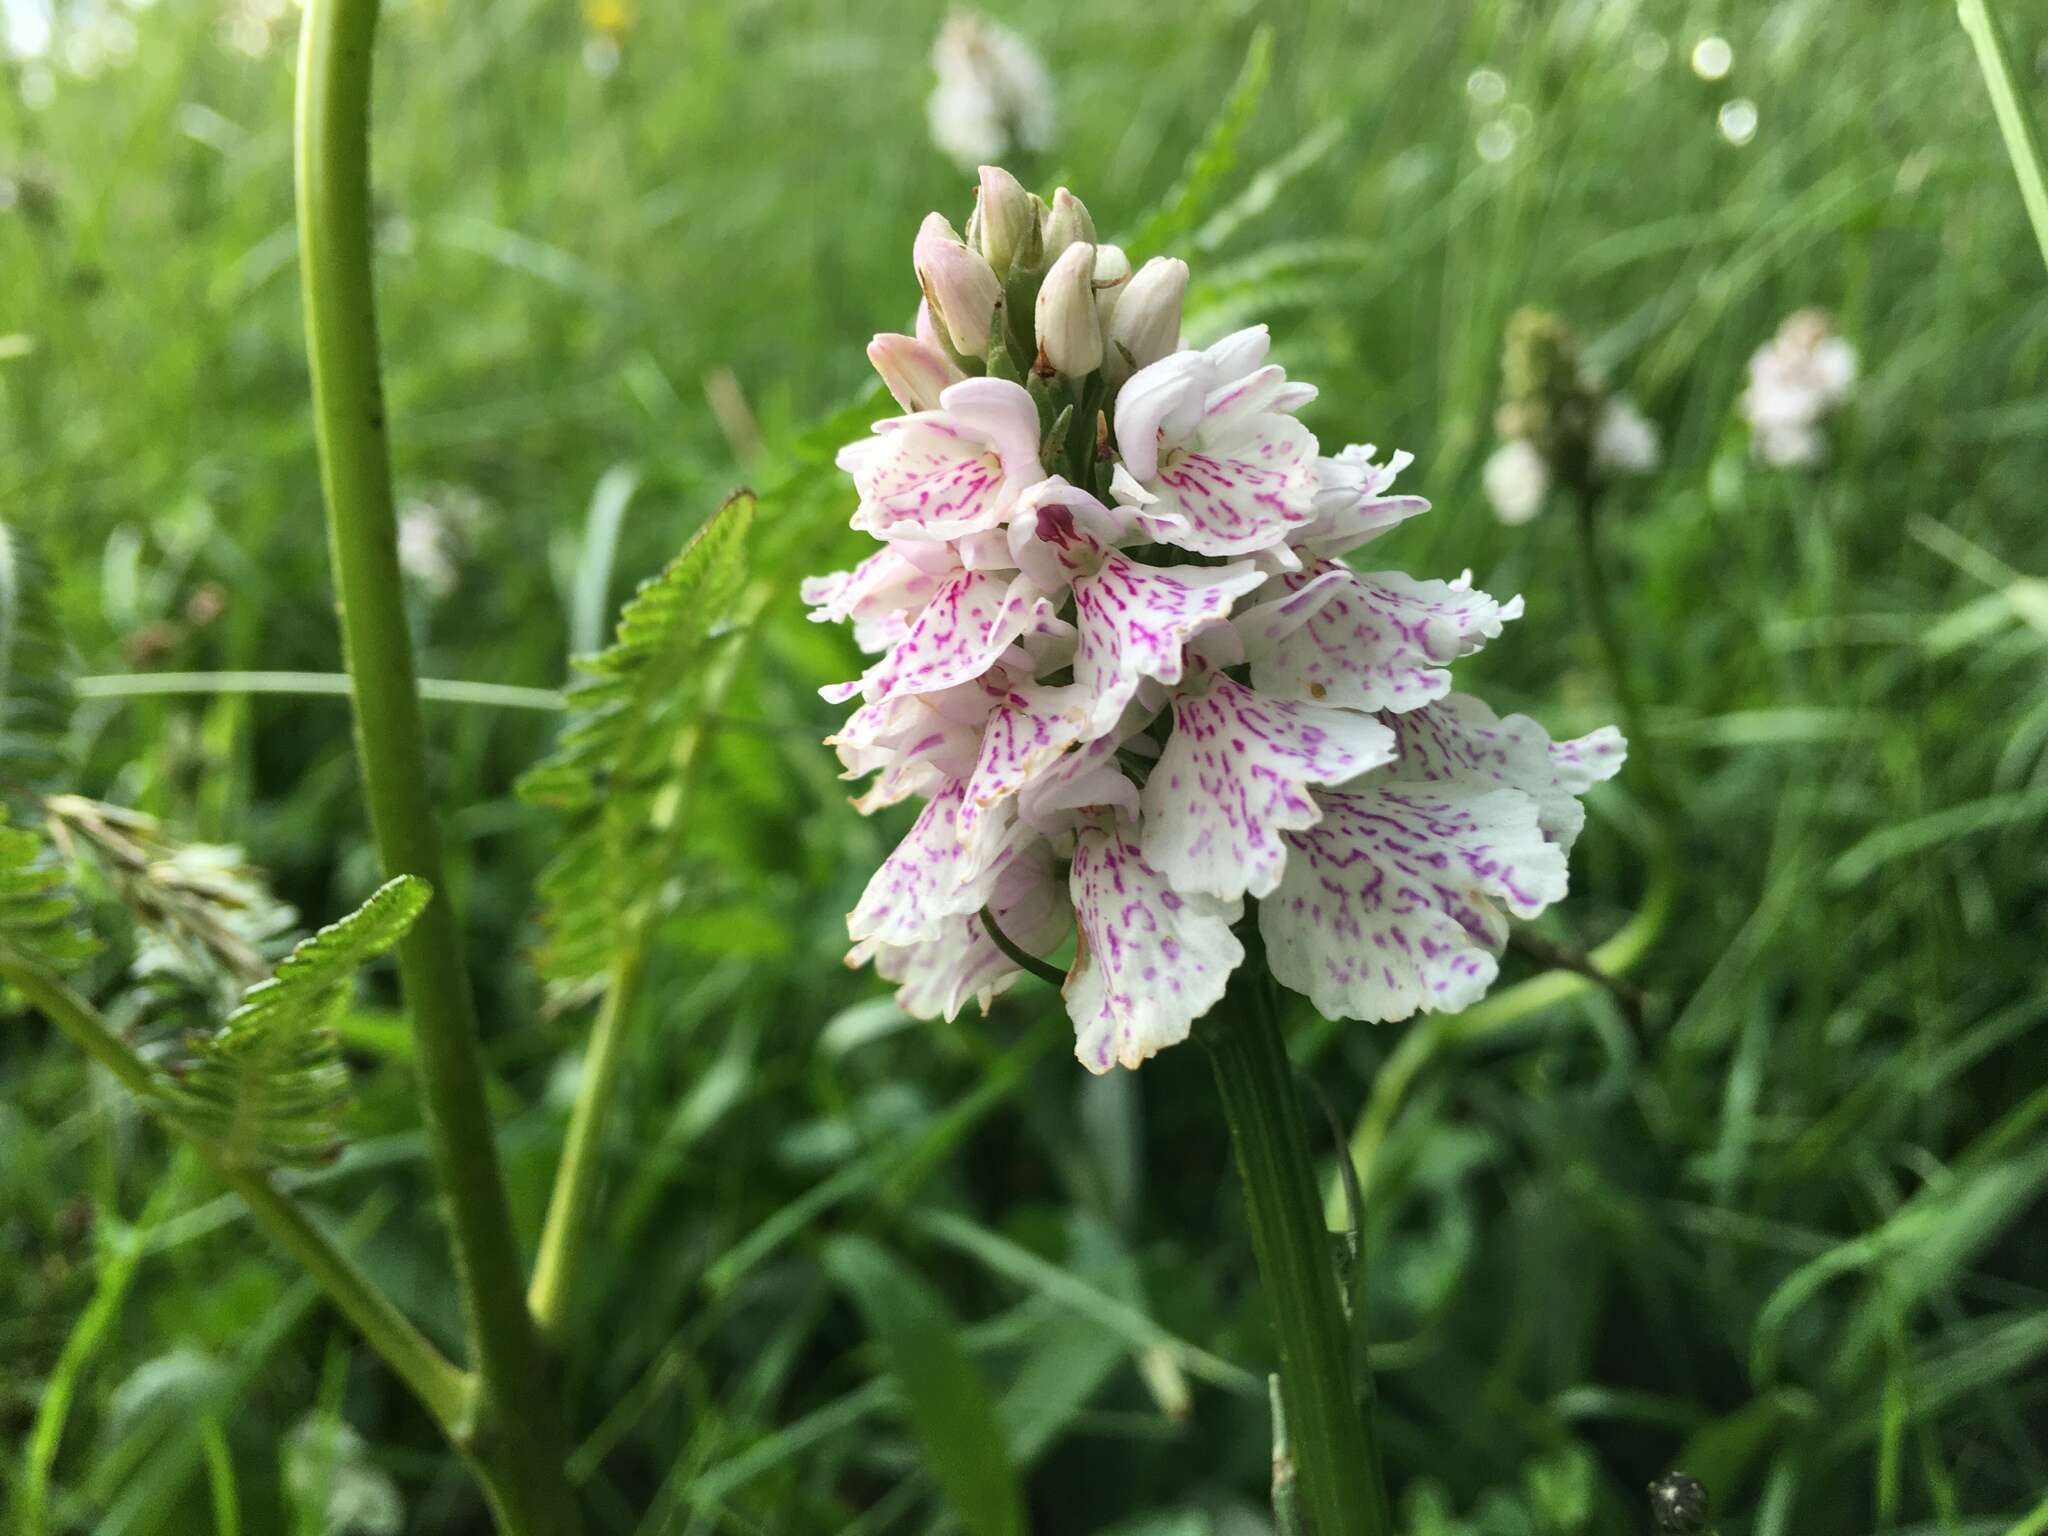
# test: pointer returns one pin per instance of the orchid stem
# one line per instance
(1022, 958)
(1335, 1474)
(517, 1440)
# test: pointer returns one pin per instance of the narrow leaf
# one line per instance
(945, 1396)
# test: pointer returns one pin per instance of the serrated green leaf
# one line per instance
(35, 682)
(39, 916)
(268, 1089)
(617, 771)
(948, 1402)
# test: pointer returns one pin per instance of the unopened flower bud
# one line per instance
(1066, 223)
(915, 371)
(1069, 330)
(1004, 218)
(1146, 323)
(1112, 275)
(959, 285)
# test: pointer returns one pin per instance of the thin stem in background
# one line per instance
(1337, 1479)
(517, 1435)
(2015, 119)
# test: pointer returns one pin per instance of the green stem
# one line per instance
(2015, 118)
(1338, 1481)
(518, 1432)
(442, 1389)
(574, 1199)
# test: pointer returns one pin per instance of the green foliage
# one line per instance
(39, 916)
(1201, 180)
(269, 1087)
(35, 690)
(946, 1399)
(623, 763)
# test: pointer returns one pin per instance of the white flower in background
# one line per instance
(1127, 670)
(1517, 481)
(994, 94)
(437, 530)
(1625, 441)
(1797, 380)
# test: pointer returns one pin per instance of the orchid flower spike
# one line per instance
(1122, 666)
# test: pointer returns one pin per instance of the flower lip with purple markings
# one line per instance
(1121, 658)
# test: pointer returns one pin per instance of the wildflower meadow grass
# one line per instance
(1719, 334)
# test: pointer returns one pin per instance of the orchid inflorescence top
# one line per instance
(1122, 660)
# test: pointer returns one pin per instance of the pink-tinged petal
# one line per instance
(918, 742)
(1459, 739)
(1235, 776)
(1351, 504)
(1029, 730)
(1392, 904)
(928, 477)
(1237, 354)
(886, 582)
(1059, 531)
(939, 976)
(1374, 640)
(1263, 391)
(1150, 961)
(1003, 415)
(1080, 784)
(926, 880)
(1135, 620)
(1247, 493)
(1159, 407)
(963, 631)
(916, 372)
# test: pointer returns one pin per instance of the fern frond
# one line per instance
(39, 917)
(35, 673)
(269, 1087)
(635, 721)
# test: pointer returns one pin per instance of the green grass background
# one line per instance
(1789, 1235)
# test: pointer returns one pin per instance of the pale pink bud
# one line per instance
(1066, 223)
(1145, 325)
(1069, 329)
(1007, 224)
(959, 285)
(915, 372)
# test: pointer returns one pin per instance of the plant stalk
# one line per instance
(517, 1433)
(1338, 1482)
(445, 1391)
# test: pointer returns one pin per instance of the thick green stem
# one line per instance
(1336, 1466)
(442, 1389)
(518, 1434)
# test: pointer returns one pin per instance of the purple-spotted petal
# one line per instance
(962, 632)
(1235, 775)
(887, 582)
(1135, 621)
(1393, 903)
(1366, 639)
(1159, 407)
(1025, 735)
(1151, 960)
(940, 975)
(1248, 492)
(926, 880)
(1003, 415)
(1460, 739)
(1351, 505)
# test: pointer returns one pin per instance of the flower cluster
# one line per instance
(993, 95)
(1797, 380)
(1122, 660)
(1558, 421)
